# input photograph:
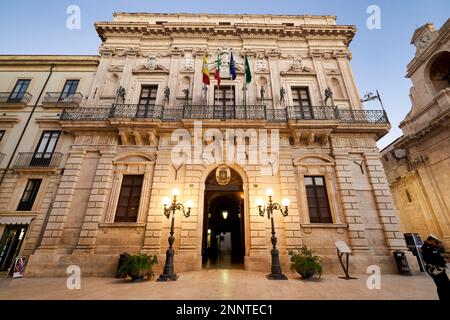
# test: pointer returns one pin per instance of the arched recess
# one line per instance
(132, 163)
(207, 172)
(437, 71)
(336, 88)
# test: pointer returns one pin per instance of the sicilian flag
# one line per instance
(205, 70)
(232, 67)
(217, 75)
(248, 74)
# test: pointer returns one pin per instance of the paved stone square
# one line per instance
(223, 285)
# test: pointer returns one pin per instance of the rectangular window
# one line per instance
(129, 198)
(148, 95)
(70, 87)
(147, 102)
(224, 102)
(19, 90)
(2, 134)
(302, 102)
(318, 205)
(45, 148)
(29, 195)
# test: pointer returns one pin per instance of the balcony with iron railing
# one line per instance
(60, 99)
(37, 160)
(14, 99)
(237, 112)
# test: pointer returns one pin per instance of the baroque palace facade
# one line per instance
(87, 179)
(418, 163)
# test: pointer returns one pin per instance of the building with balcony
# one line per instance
(418, 163)
(32, 144)
(149, 123)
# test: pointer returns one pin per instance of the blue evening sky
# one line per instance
(379, 56)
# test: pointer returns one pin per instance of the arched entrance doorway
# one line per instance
(223, 241)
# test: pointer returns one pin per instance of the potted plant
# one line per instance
(137, 267)
(305, 262)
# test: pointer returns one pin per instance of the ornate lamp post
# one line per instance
(270, 206)
(169, 209)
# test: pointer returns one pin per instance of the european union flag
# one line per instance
(232, 67)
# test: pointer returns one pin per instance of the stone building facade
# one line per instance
(147, 98)
(34, 91)
(418, 163)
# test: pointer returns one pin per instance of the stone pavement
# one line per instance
(223, 285)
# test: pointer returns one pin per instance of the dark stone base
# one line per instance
(276, 277)
(167, 277)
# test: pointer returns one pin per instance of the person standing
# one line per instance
(435, 265)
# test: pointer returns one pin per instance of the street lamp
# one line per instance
(270, 206)
(170, 208)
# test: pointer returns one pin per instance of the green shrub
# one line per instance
(305, 262)
(138, 266)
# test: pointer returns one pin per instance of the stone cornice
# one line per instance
(48, 60)
(181, 29)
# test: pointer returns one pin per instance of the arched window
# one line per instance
(440, 71)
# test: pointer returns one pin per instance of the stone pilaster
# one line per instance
(383, 198)
(356, 229)
(96, 204)
(156, 220)
(63, 201)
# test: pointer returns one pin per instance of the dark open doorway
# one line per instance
(223, 224)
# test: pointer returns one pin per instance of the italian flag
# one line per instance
(205, 70)
(217, 75)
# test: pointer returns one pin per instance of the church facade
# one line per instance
(418, 163)
(289, 120)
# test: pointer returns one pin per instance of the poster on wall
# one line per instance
(19, 267)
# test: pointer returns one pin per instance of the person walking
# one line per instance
(435, 265)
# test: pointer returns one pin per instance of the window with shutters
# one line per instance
(129, 198)
(318, 204)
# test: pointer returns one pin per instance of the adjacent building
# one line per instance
(34, 91)
(147, 123)
(418, 163)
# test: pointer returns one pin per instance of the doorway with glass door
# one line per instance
(10, 244)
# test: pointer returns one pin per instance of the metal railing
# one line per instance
(86, 114)
(248, 112)
(256, 112)
(60, 97)
(136, 111)
(38, 160)
(10, 97)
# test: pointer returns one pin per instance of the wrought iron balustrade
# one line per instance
(224, 112)
(86, 114)
(38, 160)
(249, 112)
(363, 116)
(137, 111)
(10, 97)
(311, 113)
(61, 97)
